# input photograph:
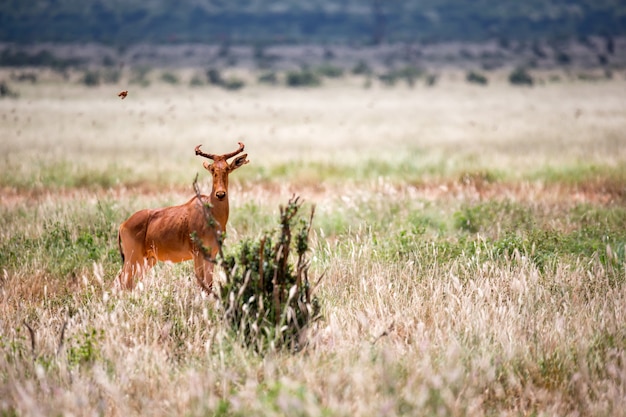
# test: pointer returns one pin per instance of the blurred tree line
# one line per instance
(291, 21)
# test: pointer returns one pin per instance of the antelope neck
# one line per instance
(220, 209)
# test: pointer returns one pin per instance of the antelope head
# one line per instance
(220, 168)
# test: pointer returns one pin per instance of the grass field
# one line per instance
(472, 241)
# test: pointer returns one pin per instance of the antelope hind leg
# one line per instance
(134, 268)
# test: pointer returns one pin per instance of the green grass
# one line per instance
(63, 244)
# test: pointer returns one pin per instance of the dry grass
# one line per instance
(472, 241)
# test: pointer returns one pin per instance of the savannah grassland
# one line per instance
(472, 243)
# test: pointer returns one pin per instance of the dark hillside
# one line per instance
(292, 21)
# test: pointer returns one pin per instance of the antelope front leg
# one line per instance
(204, 272)
(125, 278)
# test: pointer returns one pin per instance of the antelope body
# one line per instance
(165, 234)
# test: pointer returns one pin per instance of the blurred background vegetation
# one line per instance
(119, 22)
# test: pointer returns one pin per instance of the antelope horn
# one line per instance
(206, 155)
(230, 155)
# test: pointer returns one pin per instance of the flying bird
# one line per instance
(123, 94)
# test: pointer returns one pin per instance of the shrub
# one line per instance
(233, 83)
(267, 301)
(330, 71)
(302, 78)
(389, 78)
(362, 68)
(91, 78)
(268, 78)
(431, 80)
(140, 76)
(5, 90)
(214, 76)
(25, 77)
(520, 77)
(111, 75)
(196, 81)
(169, 78)
(409, 74)
(473, 77)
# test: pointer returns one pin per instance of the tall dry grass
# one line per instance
(471, 240)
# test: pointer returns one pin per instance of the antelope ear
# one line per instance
(239, 161)
(207, 166)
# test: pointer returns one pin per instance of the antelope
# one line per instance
(165, 234)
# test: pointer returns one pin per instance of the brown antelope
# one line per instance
(165, 234)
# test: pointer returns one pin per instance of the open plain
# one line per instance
(472, 242)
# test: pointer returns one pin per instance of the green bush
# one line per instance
(214, 76)
(267, 301)
(361, 68)
(169, 78)
(6, 91)
(303, 78)
(520, 76)
(268, 78)
(474, 77)
(25, 77)
(196, 81)
(91, 78)
(409, 74)
(431, 80)
(111, 75)
(330, 71)
(140, 76)
(233, 83)
(389, 78)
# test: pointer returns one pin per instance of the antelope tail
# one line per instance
(119, 246)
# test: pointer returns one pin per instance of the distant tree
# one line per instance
(431, 80)
(520, 76)
(169, 78)
(214, 76)
(91, 78)
(268, 78)
(361, 68)
(474, 77)
(196, 81)
(329, 71)
(233, 83)
(303, 78)
(6, 91)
